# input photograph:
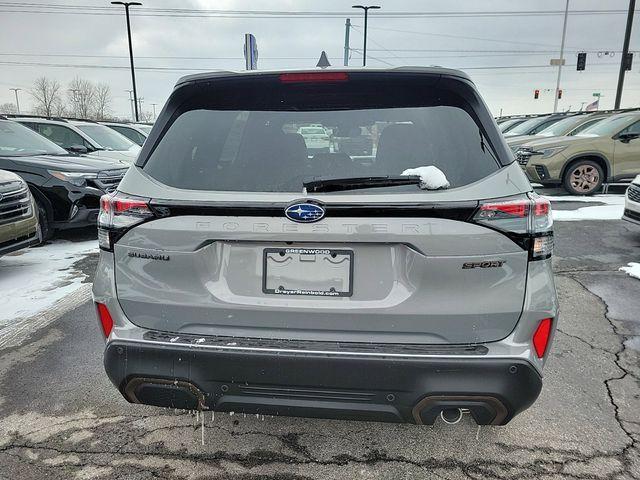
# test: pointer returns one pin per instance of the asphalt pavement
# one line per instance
(60, 418)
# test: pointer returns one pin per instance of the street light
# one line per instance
(366, 9)
(16, 90)
(133, 74)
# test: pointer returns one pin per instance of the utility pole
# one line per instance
(347, 28)
(625, 52)
(564, 34)
(154, 111)
(16, 90)
(133, 73)
(74, 100)
(366, 9)
(133, 117)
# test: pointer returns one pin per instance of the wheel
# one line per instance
(583, 177)
(43, 219)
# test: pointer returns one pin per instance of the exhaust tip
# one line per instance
(451, 416)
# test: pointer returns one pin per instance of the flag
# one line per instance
(593, 106)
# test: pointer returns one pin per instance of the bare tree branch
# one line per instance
(82, 95)
(46, 93)
(103, 101)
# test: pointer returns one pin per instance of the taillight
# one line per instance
(527, 221)
(105, 319)
(541, 337)
(314, 77)
(118, 213)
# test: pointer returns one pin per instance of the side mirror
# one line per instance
(627, 137)
(77, 149)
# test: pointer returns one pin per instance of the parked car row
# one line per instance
(579, 150)
(53, 172)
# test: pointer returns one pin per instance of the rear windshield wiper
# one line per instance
(355, 183)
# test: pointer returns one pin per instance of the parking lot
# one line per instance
(60, 417)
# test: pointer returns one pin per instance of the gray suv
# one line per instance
(240, 271)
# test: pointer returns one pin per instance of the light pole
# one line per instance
(16, 90)
(564, 34)
(625, 53)
(154, 111)
(133, 74)
(366, 9)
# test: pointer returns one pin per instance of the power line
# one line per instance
(26, 7)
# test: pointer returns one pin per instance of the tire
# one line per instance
(45, 227)
(583, 177)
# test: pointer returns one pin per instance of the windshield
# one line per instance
(562, 127)
(107, 138)
(525, 127)
(217, 150)
(610, 126)
(504, 126)
(18, 140)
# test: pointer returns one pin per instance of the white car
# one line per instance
(632, 202)
(83, 136)
(316, 139)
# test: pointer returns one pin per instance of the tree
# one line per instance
(8, 108)
(82, 94)
(46, 93)
(102, 101)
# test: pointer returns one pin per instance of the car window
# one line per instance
(145, 128)
(130, 133)
(634, 128)
(609, 126)
(525, 127)
(561, 127)
(585, 125)
(107, 138)
(16, 139)
(60, 135)
(206, 149)
(542, 126)
(509, 124)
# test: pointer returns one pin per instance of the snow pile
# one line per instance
(632, 269)
(431, 178)
(33, 280)
(612, 209)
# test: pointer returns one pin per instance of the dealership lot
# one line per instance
(60, 417)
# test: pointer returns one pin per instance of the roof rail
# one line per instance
(76, 119)
(27, 115)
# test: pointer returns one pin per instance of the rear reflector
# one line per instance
(105, 319)
(541, 337)
(314, 77)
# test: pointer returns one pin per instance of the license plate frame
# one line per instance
(297, 292)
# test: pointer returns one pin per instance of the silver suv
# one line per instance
(240, 271)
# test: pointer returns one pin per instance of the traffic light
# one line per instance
(559, 93)
(536, 93)
(628, 60)
(582, 61)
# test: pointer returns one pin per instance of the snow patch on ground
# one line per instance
(34, 279)
(598, 212)
(612, 209)
(606, 199)
(632, 268)
(431, 178)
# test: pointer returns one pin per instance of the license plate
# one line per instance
(315, 272)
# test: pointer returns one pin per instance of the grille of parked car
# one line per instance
(109, 180)
(522, 156)
(15, 202)
(634, 193)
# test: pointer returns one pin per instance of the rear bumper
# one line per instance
(340, 385)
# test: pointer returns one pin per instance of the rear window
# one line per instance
(210, 146)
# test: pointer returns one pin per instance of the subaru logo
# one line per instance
(304, 212)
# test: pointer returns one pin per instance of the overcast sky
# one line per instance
(82, 42)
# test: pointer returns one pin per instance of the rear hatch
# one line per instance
(214, 232)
